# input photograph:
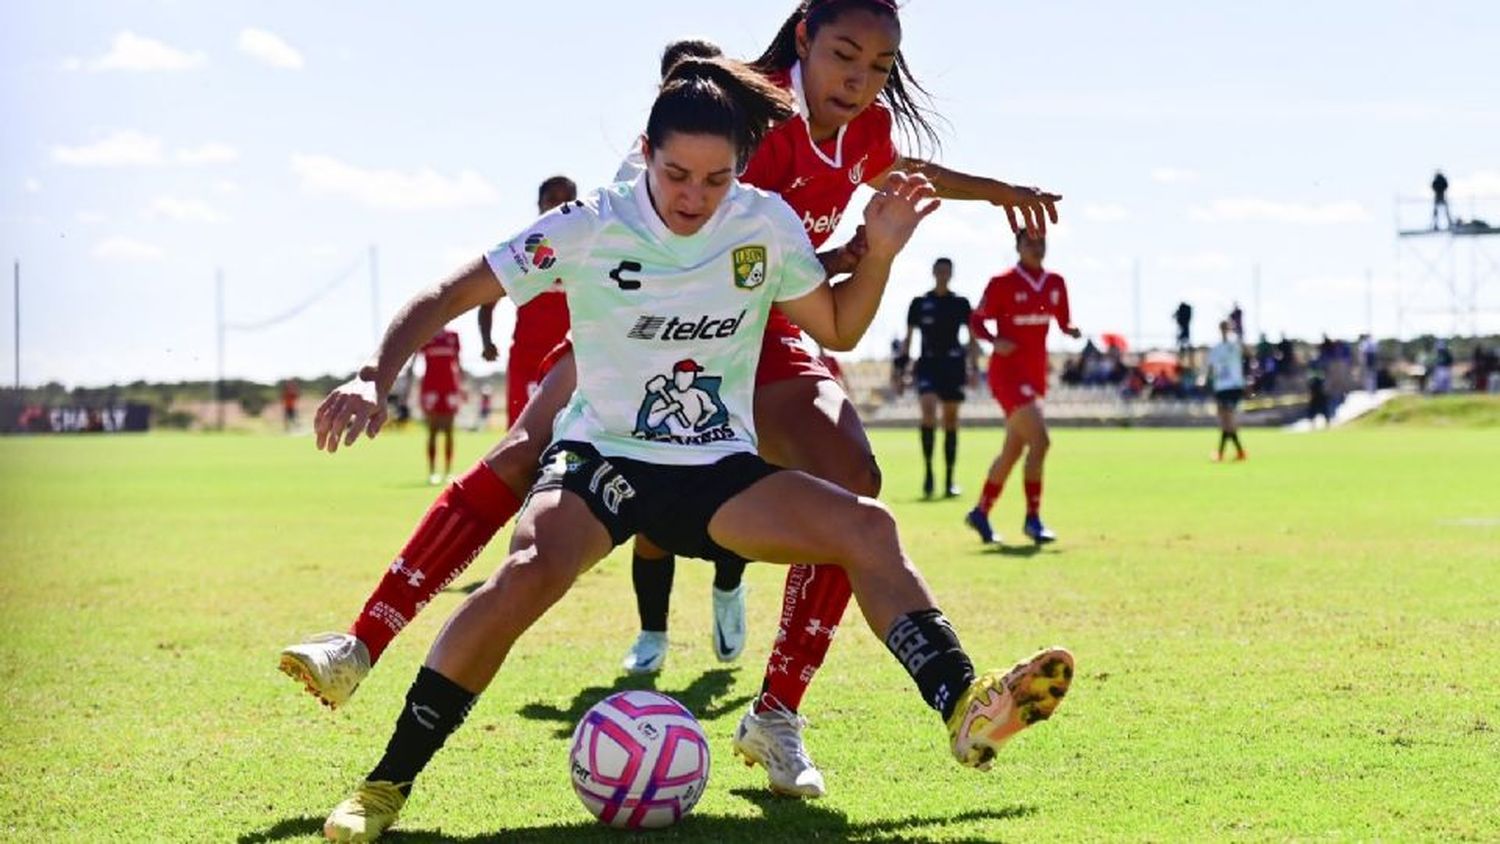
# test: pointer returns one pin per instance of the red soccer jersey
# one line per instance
(818, 180)
(540, 324)
(1023, 306)
(440, 363)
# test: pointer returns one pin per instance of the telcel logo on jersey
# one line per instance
(672, 329)
(825, 223)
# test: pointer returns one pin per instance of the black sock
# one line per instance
(1235, 438)
(925, 644)
(728, 574)
(434, 708)
(1223, 438)
(950, 452)
(928, 435)
(653, 590)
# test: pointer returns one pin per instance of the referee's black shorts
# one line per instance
(944, 376)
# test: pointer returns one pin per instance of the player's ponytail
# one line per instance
(717, 96)
(903, 94)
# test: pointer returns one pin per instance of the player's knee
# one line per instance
(514, 460)
(534, 575)
(871, 531)
(861, 476)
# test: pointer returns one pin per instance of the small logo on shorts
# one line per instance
(749, 267)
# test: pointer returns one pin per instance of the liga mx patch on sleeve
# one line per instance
(749, 267)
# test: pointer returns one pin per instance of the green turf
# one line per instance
(1459, 411)
(1305, 646)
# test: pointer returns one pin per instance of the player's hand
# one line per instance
(351, 409)
(1029, 207)
(892, 214)
(1072, 331)
(845, 259)
(1003, 348)
(491, 352)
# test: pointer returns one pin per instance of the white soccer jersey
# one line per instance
(1226, 362)
(666, 329)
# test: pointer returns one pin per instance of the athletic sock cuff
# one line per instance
(485, 496)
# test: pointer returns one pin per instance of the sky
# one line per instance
(150, 145)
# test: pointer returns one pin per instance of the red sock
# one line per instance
(812, 604)
(1033, 497)
(452, 533)
(988, 496)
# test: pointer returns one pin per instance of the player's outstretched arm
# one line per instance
(837, 316)
(358, 406)
(1024, 206)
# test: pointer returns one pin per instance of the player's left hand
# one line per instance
(846, 258)
(1072, 331)
(892, 214)
(353, 408)
(1033, 205)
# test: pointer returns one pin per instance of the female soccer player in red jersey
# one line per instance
(1023, 302)
(841, 59)
(442, 394)
(540, 325)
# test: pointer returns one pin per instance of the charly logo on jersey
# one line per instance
(678, 329)
(540, 251)
(749, 266)
(683, 408)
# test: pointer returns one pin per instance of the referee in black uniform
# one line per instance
(943, 368)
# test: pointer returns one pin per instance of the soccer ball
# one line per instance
(639, 760)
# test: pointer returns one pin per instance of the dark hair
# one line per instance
(903, 94)
(554, 182)
(717, 96)
(684, 48)
(941, 261)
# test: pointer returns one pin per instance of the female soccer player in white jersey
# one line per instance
(658, 436)
(1226, 365)
(841, 60)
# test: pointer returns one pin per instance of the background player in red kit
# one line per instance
(442, 395)
(1022, 302)
(541, 323)
(841, 58)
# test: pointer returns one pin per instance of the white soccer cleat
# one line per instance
(330, 665)
(434, 479)
(648, 655)
(729, 623)
(773, 740)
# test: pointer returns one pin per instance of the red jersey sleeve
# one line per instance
(883, 153)
(1063, 313)
(985, 312)
(769, 164)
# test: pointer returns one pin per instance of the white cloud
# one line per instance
(1252, 209)
(134, 52)
(1105, 212)
(33, 186)
(1482, 183)
(211, 153)
(122, 149)
(392, 190)
(1204, 261)
(91, 217)
(226, 186)
(1173, 175)
(184, 210)
(120, 248)
(269, 49)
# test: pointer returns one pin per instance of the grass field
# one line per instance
(1305, 646)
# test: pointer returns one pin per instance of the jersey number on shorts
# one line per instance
(613, 492)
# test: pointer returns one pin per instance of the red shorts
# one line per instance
(1015, 391)
(442, 402)
(782, 357)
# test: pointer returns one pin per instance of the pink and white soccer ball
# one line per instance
(639, 760)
